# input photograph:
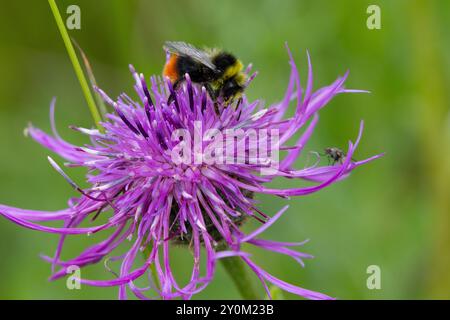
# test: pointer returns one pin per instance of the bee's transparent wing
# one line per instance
(188, 50)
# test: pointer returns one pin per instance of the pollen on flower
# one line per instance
(152, 201)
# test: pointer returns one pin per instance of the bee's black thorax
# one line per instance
(197, 72)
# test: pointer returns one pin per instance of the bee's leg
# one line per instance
(213, 95)
(238, 103)
(210, 90)
(216, 107)
(175, 86)
(239, 115)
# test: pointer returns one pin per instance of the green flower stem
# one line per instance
(76, 64)
(236, 269)
(234, 266)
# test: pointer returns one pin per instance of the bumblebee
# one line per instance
(218, 71)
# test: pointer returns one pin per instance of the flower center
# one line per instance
(185, 238)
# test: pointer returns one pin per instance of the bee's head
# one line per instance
(231, 82)
(232, 88)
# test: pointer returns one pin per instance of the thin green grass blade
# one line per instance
(87, 66)
(76, 65)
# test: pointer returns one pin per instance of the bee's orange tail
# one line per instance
(170, 70)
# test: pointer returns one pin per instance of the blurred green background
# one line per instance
(393, 213)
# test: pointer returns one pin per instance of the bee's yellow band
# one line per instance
(232, 70)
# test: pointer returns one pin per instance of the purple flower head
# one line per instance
(153, 191)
